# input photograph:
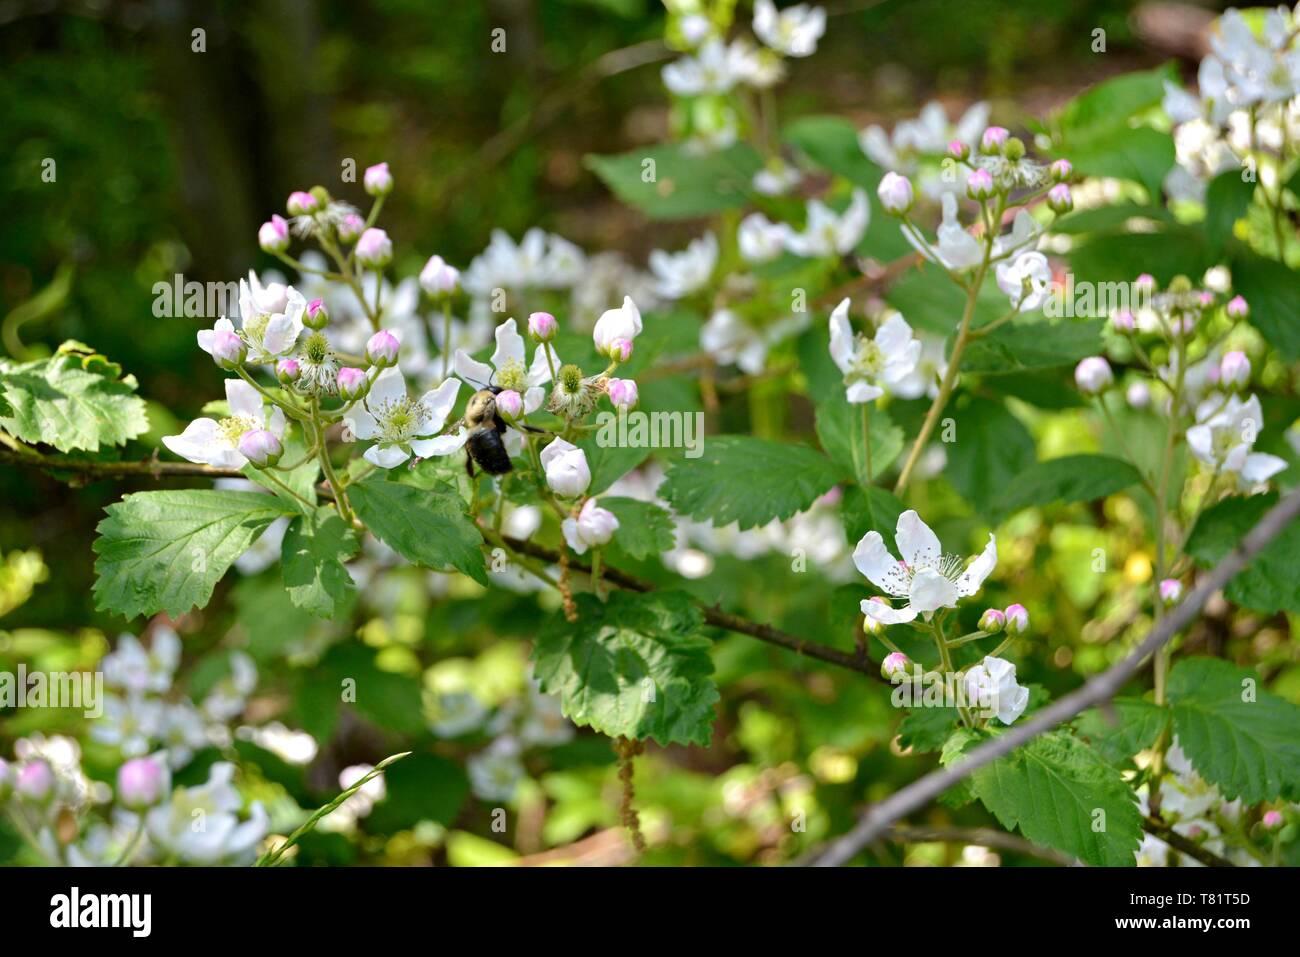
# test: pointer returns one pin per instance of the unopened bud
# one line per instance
(301, 203)
(374, 249)
(895, 194)
(1093, 376)
(1123, 321)
(287, 371)
(439, 279)
(994, 138)
(1014, 149)
(895, 667)
(510, 403)
(542, 326)
(1237, 308)
(260, 447)
(1060, 199)
(273, 237)
(1061, 170)
(1272, 820)
(350, 228)
(353, 383)
(992, 621)
(142, 783)
(623, 393)
(1017, 619)
(958, 150)
(620, 350)
(316, 316)
(378, 180)
(1234, 371)
(35, 781)
(1171, 592)
(382, 348)
(979, 185)
(228, 350)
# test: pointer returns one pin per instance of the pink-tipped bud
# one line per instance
(378, 180)
(1146, 280)
(1234, 371)
(1060, 199)
(620, 350)
(374, 249)
(1093, 375)
(228, 350)
(958, 150)
(301, 203)
(872, 626)
(510, 403)
(1061, 170)
(979, 185)
(142, 783)
(350, 228)
(273, 237)
(1238, 308)
(382, 349)
(439, 279)
(353, 383)
(35, 781)
(895, 667)
(542, 326)
(287, 371)
(316, 316)
(992, 621)
(895, 194)
(623, 393)
(1123, 321)
(1017, 619)
(1205, 298)
(1171, 592)
(994, 138)
(260, 447)
(1272, 820)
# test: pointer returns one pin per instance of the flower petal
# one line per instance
(872, 558)
(972, 579)
(440, 445)
(478, 374)
(438, 404)
(389, 386)
(917, 544)
(510, 345)
(243, 399)
(931, 591)
(386, 456)
(886, 614)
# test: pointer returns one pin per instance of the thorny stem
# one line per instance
(627, 750)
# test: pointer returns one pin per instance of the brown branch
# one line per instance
(1177, 841)
(980, 836)
(714, 616)
(877, 818)
(94, 469)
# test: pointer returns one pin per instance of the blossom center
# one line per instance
(399, 420)
(235, 426)
(511, 375)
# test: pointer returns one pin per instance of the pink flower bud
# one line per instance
(260, 447)
(1123, 321)
(1237, 308)
(1017, 619)
(378, 180)
(895, 667)
(1272, 820)
(228, 350)
(1234, 371)
(1146, 279)
(142, 783)
(1060, 199)
(1138, 395)
(273, 237)
(1061, 170)
(1171, 591)
(351, 227)
(382, 348)
(620, 350)
(1093, 375)
(510, 403)
(871, 626)
(623, 393)
(979, 185)
(542, 326)
(374, 249)
(994, 138)
(287, 371)
(353, 383)
(316, 316)
(992, 621)
(895, 194)
(1206, 299)
(301, 203)
(439, 279)
(35, 781)
(958, 150)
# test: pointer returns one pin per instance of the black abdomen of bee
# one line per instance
(488, 450)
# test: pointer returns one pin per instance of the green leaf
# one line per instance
(1060, 793)
(747, 480)
(1020, 346)
(1130, 725)
(70, 404)
(1269, 583)
(1270, 288)
(635, 666)
(870, 509)
(669, 182)
(1108, 106)
(428, 527)
(166, 551)
(1071, 478)
(927, 729)
(1115, 257)
(1237, 736)
(1141, 154)
(841, 431)
(609, 462)
(931, 302)
(1226, 200)
(992, 447)
(302, 479)
(424, 787)
(311, 561)
(644, 529)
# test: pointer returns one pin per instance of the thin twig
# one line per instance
(877, 818)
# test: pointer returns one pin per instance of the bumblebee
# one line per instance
(486, 428)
